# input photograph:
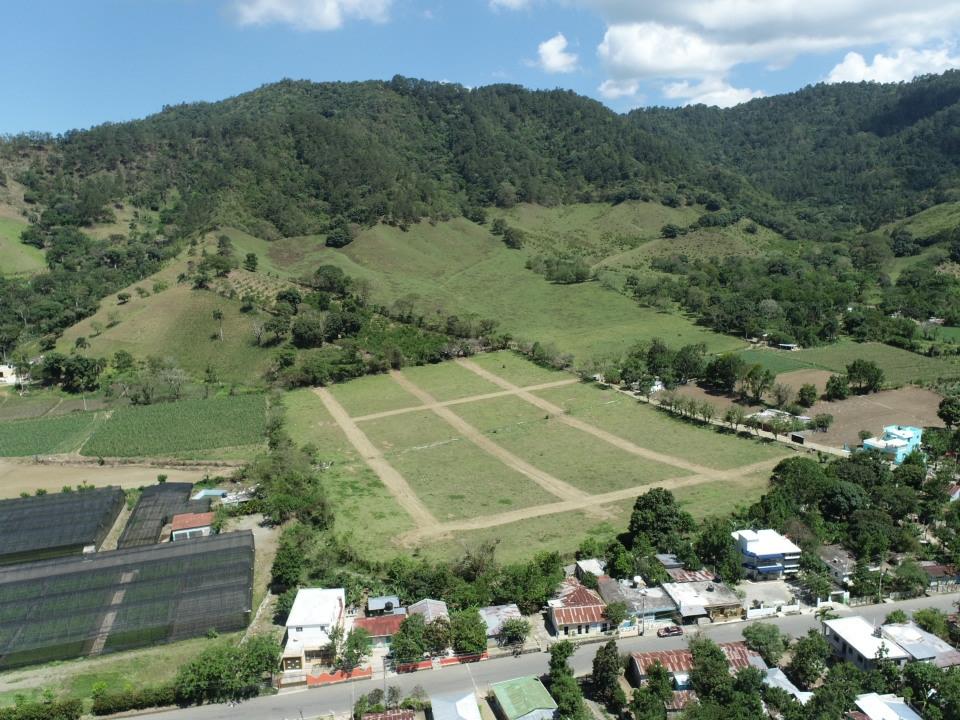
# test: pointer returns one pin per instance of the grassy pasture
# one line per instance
(44, 436)
(648, 427)
(365, 510)
(569, 454)
(458, 267)
(309, 423)
(449, 381)
(516, 369)
(43, 403)
(372, 394)
(900, 366)
(15, 257)
(180, 427)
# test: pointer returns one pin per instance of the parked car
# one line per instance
(670, 631)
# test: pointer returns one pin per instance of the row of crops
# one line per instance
(56, 610)
(142, 431)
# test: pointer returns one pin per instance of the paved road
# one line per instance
(306, 704)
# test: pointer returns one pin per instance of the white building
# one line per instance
(766, 554)
(921, 645)
(8, 375)
(315, 612)
(885, 707)
(856, 640)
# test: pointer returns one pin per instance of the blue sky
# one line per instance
(74, 64)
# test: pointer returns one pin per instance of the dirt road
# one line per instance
(392, 480)
(17, 476)
(553, 485)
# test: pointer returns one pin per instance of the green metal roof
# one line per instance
(521, 696)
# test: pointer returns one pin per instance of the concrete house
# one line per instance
(896, 442)
(191, 525)
(8, 375)
(857, 641)
(384, 605)
(315, 612)
(577, 610)
(766, 554)
(921, 645)
(644, 604)
(696, 600)
(523, 698)
(840, 562)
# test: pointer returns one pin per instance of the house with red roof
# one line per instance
(382, 628)
(191, 525)
(577, 610)
(679, 663)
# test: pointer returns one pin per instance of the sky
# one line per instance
(72, 64)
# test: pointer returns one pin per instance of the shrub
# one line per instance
(108, 703)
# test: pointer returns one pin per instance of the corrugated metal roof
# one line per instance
(383, 626)
(580, 615)
(681, 661)
(521, 696)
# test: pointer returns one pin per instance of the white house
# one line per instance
(856, 640)
(191, 525)
(885, 707)
(8, 375)
(315, 612)
(840, 562)
(766, 554)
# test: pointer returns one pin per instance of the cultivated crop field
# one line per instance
(45, 436)
(172, 428)
(496, 447)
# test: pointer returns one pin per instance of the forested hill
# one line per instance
(857, 155)
(297, 157)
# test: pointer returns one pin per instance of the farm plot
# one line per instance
(650, 428)
(516, 369)
(170, 428)
(45, 436)
(449, 381)
(565, 452)
(309, 423)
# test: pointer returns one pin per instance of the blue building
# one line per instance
(896, 443)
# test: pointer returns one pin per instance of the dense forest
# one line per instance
(829, 163)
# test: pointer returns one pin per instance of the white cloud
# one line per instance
(905, 64)
(712, 91)
(510, 4)
(310, 14)
(616, 89)
(554, 57)
(694, 44)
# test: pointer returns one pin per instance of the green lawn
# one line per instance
(372, 394)
(15, 257)
(44, 436)
(400, 433)
(651, 428)
(180, 427)
(900, 366)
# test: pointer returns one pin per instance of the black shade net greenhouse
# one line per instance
(155, 508)
(124, 599)
(47, 526)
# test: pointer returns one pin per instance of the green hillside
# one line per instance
(15, 257)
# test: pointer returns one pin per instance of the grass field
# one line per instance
(372, 394)
(176, 323)
(309, 423)
(46, 436)
(516, 369)
(900, 366)
(45, 403)
(172, 428)
(449, 381)
(651, 428)
(458, 267)
(15, 257)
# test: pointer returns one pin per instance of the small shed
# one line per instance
(429, 609)
(191, 525)
(523, 698)
(383, 605)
